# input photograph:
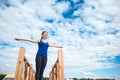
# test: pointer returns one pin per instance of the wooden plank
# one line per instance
(61, 65)
(19, 64)
(54, 74)
(33, 76)
(25, 70)
(57, 72)
(28, 71)
(30, 74)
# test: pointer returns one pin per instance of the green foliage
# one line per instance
(104, 79)
(75, 78)
(2, 76)
(45, 78)
(86, 79)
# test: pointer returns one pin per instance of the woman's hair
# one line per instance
(43, 33)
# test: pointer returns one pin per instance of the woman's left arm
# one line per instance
(55, 46)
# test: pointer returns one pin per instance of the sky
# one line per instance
(88, 30)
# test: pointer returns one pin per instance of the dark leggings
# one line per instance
(41, 62)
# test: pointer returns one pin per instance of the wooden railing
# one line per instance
(57, 72)
(24, 69)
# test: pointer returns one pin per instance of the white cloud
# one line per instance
(62, 7)
(88, 73)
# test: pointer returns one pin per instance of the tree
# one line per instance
(75, 78)
(86, 79)
(104, 79)
(45, 78)
(2, 76)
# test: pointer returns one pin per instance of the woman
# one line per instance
(41, 56)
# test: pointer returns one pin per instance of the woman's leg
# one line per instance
(44, 62)
(38, 66)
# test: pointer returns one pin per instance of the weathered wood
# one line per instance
(61, 64)
(28, 72)
(57, 72)
(24, 69)
(18, 73)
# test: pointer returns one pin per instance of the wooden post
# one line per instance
(28, 72)
(19, 65)
(61, 64)
(24, 69)
(33, 76)
(57, 72)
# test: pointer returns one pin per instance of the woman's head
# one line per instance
(44, 35)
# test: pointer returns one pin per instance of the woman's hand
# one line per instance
(17, 39)
(28, 40)
(60, 47)
(55, 46)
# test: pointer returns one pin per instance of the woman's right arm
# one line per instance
(21, 39)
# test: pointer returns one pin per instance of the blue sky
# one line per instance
(88, 30)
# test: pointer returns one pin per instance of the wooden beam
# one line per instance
(19, 65)
(57, 72)
(24, 69)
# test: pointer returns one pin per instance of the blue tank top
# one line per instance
(42, 48)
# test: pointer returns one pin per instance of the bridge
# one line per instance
(24, 70)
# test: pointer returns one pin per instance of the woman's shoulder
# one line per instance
(41, 41)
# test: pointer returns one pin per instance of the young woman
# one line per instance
(41, 56)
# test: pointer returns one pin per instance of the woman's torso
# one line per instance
(42, 48)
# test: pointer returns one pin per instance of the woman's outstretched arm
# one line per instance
(55, 46)
(21, 39)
